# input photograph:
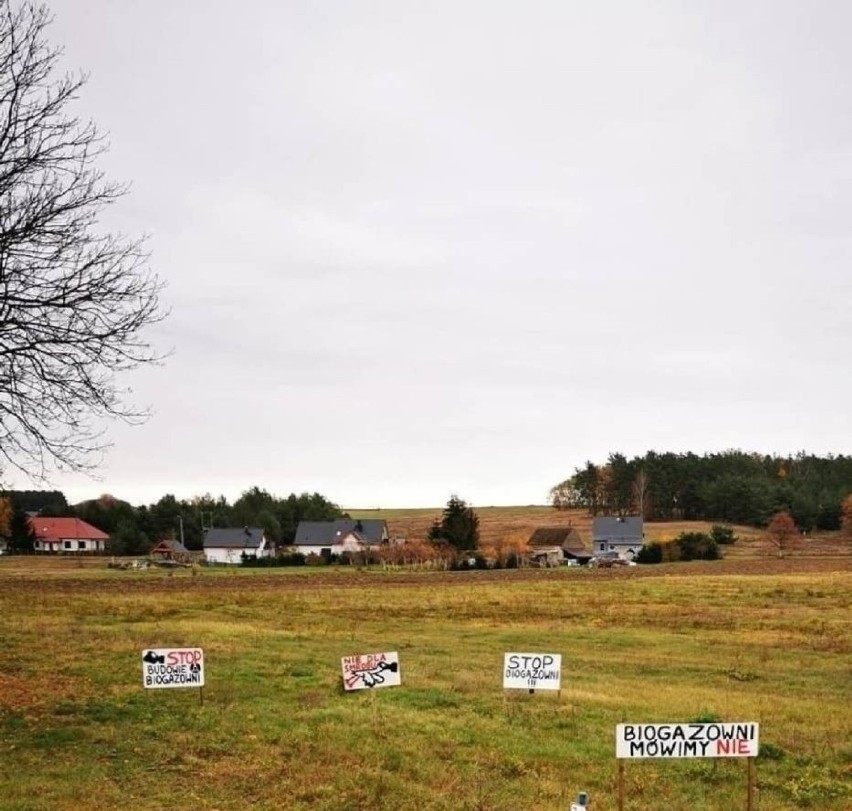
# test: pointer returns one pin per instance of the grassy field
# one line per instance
(732, 641)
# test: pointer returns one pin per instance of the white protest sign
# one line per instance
(173, 667)
(686, 740)
(532, 671)
(365, 671)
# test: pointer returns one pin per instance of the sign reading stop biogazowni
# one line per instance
(173, 667)
(532, 671)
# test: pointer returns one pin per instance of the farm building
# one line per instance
(228, 545)
(170, 550)
(616, 533)
(343, 535)
(67, 535)
(552, 546)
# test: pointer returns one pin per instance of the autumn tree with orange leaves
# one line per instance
(846, 516)
(781, 529)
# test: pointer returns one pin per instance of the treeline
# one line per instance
(134, 530)
(731, 487)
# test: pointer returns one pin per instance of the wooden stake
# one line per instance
(620, 785)
(750, 790)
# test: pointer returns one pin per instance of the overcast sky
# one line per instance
(422, 248)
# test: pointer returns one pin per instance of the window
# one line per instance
(67, 544)
(81, 544)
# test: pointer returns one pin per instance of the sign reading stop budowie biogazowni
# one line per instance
(532, 671)
(369, 670)
(686, 740)
(173, 667)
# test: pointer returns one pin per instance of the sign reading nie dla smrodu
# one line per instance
(686, 740)
(532, 671)
(368, 670)
(173, 667)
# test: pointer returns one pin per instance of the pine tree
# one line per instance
(21, 535)
(458, 527)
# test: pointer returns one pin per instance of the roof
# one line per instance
(61, 529)
(175, 547)
(328, 533)
(234, 538)
(615, 528)
(567, 538)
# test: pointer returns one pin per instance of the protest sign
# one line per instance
(366, 671)
(532, 671)
(686, 740)
(172, 667)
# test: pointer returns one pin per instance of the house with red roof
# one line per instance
(67, 535)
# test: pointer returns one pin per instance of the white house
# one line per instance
(621, 534)
(342, 535)
(227, 545)
(66, 535)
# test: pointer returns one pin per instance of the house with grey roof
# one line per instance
(230, 545)
(620, 535)
(343, 535)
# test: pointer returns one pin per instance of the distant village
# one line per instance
(615, 540)
(784, 497)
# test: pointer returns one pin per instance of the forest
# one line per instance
(732, 486)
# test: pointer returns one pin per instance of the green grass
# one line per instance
(77, 730)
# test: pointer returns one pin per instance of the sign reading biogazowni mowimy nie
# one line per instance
(173, 667)
(686, 740)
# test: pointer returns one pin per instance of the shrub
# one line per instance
(722, 534)
(687, 546)
(650, 553)
(697, 546)
(292, 559)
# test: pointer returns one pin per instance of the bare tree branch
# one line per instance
(74, 301)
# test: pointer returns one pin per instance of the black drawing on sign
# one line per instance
(195, 668)
(372, 677)
(153, 659)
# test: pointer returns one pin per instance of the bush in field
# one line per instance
(697, 546)
(722, 534)
(687, 546)
(292, 559)
(410, 553)
(506, 548)
(650, 553)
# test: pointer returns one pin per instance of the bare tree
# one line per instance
(73, 299)
(641, 493)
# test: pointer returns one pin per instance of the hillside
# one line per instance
(519, 522)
